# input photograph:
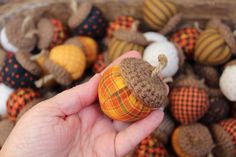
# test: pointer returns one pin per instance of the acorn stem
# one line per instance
(74, 6)
(25, 24)
(162, 64)
(134, 26)
(44, 80)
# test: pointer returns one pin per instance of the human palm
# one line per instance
(72, 125)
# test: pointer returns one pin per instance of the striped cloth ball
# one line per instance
(186, 38)
(150, 147)
(18, 100)
(188, 104)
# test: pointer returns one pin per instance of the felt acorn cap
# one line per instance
(20, 32)
(143, 80)
(192, 140)
(79, 13)
(171, 24)
(6, 127)
(74, 41)
(225, 31)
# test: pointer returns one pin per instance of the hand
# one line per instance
(72, 125)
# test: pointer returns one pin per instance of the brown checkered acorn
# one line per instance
(224, 135)
(6, 127)
(101, 63)
(194, 140)
(130, 91)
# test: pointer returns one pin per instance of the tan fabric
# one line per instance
(6, 127)
(172, 24)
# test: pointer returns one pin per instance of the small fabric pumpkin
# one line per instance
(88, 20)
(6, 127)
(130, 91)
(19, 71)
(189, 100)
(227, 81)
(155, 37)
(225, 138)
(215, 45)
(5, 93)
(51, 33)
(186, 38)
(125, 41)
(150, 146)
(18, 35)
(121, 22)
(161, 15)
(193, 140)
(18, 100)
(100, 64)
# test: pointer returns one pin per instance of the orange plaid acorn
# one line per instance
(130, 91)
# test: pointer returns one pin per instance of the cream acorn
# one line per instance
(6, 127)
(155, 37)
(5, 93)
(87, 20)
(227, 81)
(161, 15)
(131, 90)
(19, 35)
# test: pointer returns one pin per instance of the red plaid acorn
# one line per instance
(150, 146)
(18, 100)
(131, 90)
(224, 134)
(189, 99)
(101, 63)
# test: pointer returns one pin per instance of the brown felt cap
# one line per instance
(6, 127)
(149, 90)
(172, 23)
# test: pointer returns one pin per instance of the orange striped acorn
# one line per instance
(131, 90)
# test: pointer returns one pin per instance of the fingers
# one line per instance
(129, 138)
(119, 126)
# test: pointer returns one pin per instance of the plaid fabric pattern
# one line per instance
(186, 38)
(188, 104)
(18, 100)
(99, 64)
(150, 147)
(230, 126)
(116, 100)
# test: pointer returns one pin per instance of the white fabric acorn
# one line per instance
(6, 43)
(152, 52)
(228, 83)
(5, 93)
(155, 37)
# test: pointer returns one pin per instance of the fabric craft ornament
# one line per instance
(125, 41)
(5, 93)
(51, 33)
(101, 63)
(155, 37)
(186, 38)
(18, 100)
(161, 15)
(189, 100)
(6, 127)
(19, 71)
(19, 35)
(65, 63)
(150, 147)
(224, 135)
(193, 140)
(130, 91)
(227, 81)
(215, 45)
(87, 20)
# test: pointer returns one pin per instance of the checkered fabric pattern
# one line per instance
(18, 100)
(188, 104)
(99, 64)
(186, 38)
(150, 147)
(116, 100)
(230, 126)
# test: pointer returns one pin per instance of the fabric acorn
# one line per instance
(193, 140)
(189, 99)
(155, 37)
(130, 91)
(19, 71)
(101, 63)
(227, 81)
(51, 33)
(19, 35)
(65, 63)
(150, 147)
(88, 44)
(121, 22)
(215, 45)
(6, 127)
(224, 135)
(88, 20)
(18, 100)
(161, 15)
(186, 38)
(5, 93)
(125, 41)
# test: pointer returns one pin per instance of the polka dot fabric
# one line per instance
(94, 25)
(15, 76)
(188, 104)
(18, 100)
(230, 126)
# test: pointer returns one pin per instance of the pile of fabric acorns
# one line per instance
(43, 56)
